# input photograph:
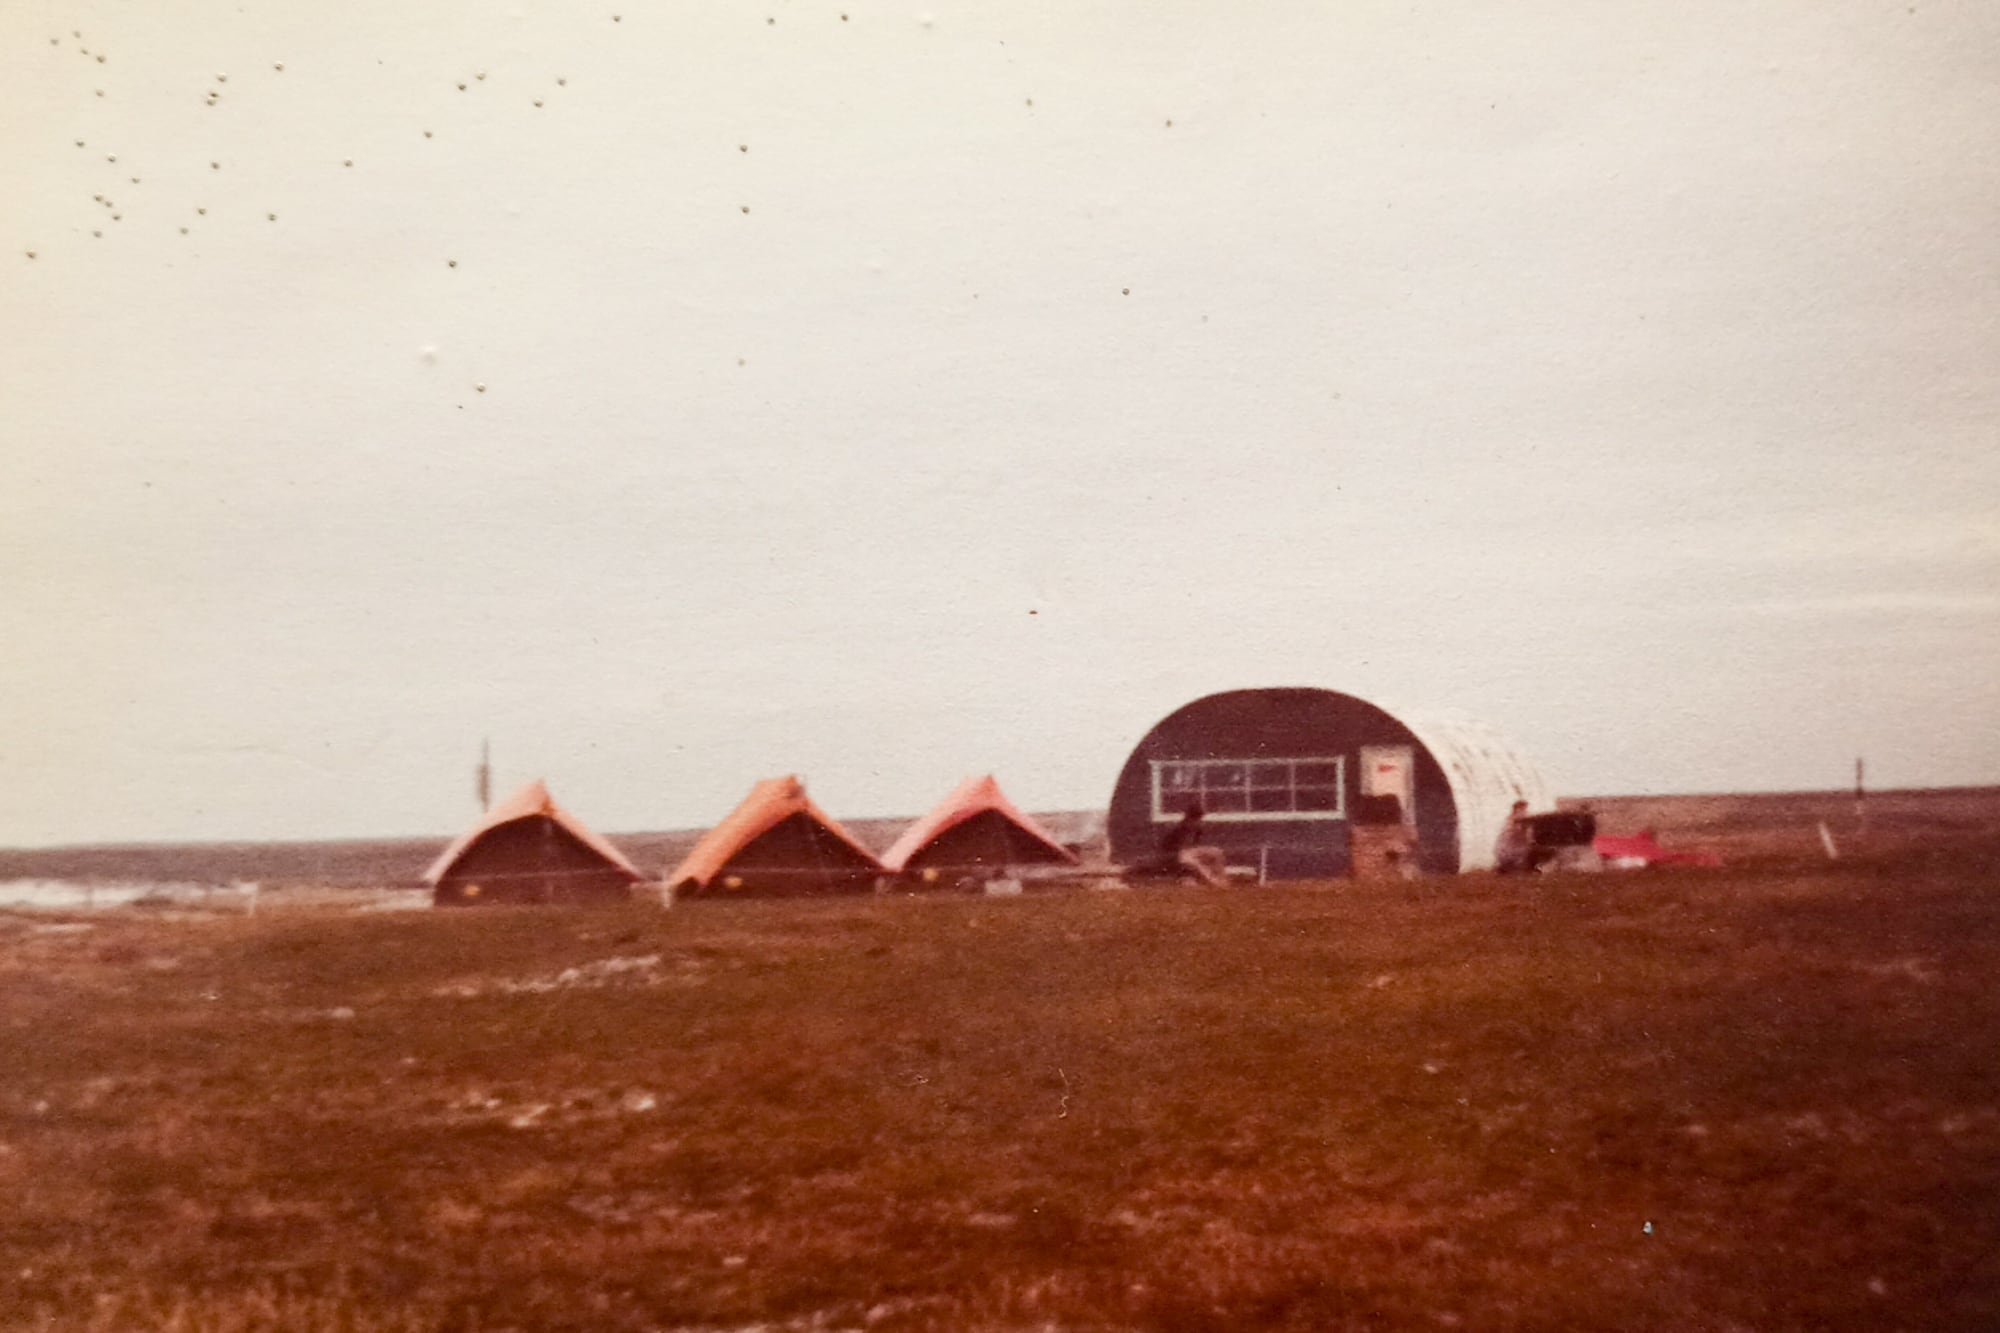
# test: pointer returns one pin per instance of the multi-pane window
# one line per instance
(1314, 788)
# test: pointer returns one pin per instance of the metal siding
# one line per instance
(1486, 775)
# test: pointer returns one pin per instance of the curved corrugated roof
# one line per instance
(1486, 775)
(531, 802)
(972, 797)
(769, 804)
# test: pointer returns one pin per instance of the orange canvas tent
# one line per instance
(776, 842)
(976, 828)
(528, 849)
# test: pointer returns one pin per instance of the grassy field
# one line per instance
(1750, 1099)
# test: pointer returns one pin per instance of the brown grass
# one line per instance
(1459, 1103)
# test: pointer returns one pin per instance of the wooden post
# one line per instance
(1860, 798)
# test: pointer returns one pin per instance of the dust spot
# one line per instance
(272, 216)
(746, 208)
(1124, 291)
(31, 254)
(479, 388)
(202, 211)
(538, 101)
(346, 161)
(280, 67)
(451, 263)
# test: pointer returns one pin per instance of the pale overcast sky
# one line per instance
(889, 394)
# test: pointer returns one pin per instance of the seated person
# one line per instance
(1515, 851)
(1180, 856)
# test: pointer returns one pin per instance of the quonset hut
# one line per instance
(1292, 781)
(528, 849)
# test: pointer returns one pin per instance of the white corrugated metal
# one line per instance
(1486, 774)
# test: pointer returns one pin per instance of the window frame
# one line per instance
(1164, 815)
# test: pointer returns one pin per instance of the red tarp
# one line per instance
(1644, 848)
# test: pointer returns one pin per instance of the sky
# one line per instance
(681, 394)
